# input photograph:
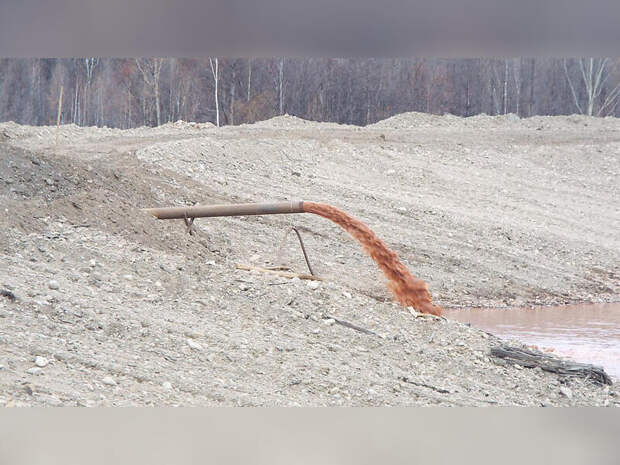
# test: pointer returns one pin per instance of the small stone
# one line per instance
(314, 285)
(34, 371)
(92, 263)
(193, 344)
(329, 321)
(157, 283)
(128, 277)
(108, 381)
(53, 284)
(244, 287)
(41, 361)
(192, 334)
(566, 391)
(316, 331)
(167, 385)
(49, 182)
(347, 294)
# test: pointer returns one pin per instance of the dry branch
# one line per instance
(530, 359)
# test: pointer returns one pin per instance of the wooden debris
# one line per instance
(346, 324)
(440, 390)
(532, 359)
(284, 274)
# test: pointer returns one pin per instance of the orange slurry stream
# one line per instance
(408, 290)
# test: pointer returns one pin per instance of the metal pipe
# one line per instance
(240, 209)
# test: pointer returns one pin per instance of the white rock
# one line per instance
(313, 284)
(34, 371)
(157, 283)
(41, 361)
(53, 284)
(347, 294)
(193, 344)
(329, 321)
(108, 381)
(167, 385)
(92, 263)
(566, 392)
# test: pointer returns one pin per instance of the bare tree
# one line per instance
(249, 78)
(505, 97)
(90, 64)
(594, 73)
(281, 85)
(516, 73)
(215, 71)
(151, 71)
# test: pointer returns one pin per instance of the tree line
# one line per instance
(130, 92)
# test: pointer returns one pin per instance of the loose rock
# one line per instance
(566, 392)
(193, 344)
(41, 361)
(108, 381)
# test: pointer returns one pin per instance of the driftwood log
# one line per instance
(532, 359)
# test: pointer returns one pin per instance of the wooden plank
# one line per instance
(284, 274)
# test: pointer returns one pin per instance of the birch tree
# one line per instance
(587, 88)
(516, 74)
(281, 85)
(215, 71)
(151, 71)
(90, 64)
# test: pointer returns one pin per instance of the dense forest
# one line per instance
(128, 92)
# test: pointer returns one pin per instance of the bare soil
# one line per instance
(122, 309)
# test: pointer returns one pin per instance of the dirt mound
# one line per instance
(293, 122)
(413, 120)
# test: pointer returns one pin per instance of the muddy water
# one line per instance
(585, 333)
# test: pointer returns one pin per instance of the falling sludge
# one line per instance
(408, 290)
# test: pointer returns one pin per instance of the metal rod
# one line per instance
(241, 209)
(301, 243)
(303, 249)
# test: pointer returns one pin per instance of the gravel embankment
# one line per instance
(116, 308)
